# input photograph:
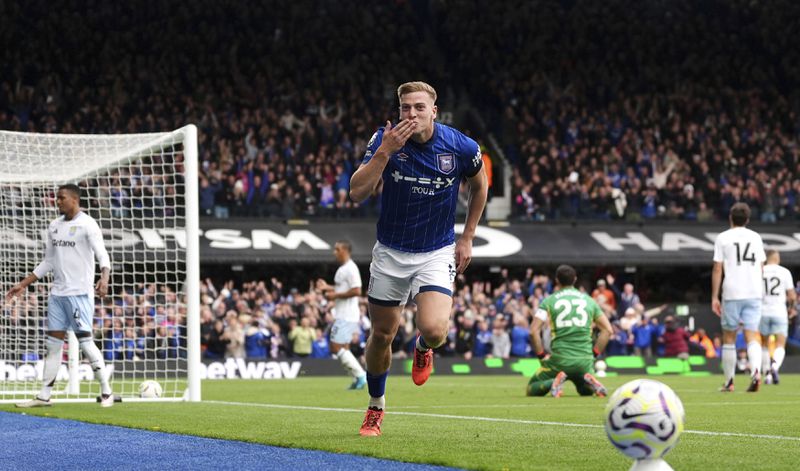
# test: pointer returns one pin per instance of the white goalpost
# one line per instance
(142, 191)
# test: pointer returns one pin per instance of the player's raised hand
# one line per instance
(463, 254)
(394, 138)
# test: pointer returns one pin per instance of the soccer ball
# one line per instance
(150, 389)
(644, 419)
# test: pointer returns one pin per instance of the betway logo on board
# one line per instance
(677, 241)
(230, 369)
(35, 372)
(240, 368)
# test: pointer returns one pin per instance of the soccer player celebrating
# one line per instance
(739, 254)
(779, 300)
(345, 294)
(73, 241)
(571, 315)
(421, 164)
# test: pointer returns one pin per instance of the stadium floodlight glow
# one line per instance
(129, 182)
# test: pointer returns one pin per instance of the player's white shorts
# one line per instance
(394, 275)
(774, 325)
(746, 311)
(342, 331)
(70, 313)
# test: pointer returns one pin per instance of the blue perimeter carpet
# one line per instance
(36, 443)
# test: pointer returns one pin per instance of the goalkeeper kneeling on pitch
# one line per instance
(571, 315)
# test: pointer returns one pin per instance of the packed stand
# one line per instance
(607, 110)
(144, 322)
(267, 319)
(270, 320)
(284, 116)
(670, 110)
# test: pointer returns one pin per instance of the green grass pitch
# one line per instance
(473, 422)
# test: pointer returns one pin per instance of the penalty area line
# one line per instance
(492, 419)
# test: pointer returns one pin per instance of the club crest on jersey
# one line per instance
(73, 230)
(445, 162)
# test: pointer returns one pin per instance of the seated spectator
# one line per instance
(218, 341)
(301, 336)
(520, 337)
(627, 299)
(629, 320)
(605, 296)
(256, 341)
(235, 335)
(279, 346)
(618, 343)
(483, 340)
(701, 340)
(642, 338)
(114, 341)
(501, 341)
(675, 339)
(465, 335)
(320, 348)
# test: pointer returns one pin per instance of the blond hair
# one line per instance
(411, 87)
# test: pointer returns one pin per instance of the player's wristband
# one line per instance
(541, 355)
(595, 352)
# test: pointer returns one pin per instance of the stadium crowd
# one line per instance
(145, 323)
(266, 319)
(637, 110)
(606, 110)
(283, 117)
(269, 319)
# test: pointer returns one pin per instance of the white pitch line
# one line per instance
(570, 405)
(494, 419)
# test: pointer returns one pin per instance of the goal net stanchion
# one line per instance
(142, 189)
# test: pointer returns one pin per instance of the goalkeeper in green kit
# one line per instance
(571, 315)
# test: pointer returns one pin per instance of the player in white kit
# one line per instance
(345, 293)
(739, 255)
(779, 300)
(73, 242)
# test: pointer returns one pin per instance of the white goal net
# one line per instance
(142, 191)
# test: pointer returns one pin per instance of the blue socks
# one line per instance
(421, 345)
(377, 383)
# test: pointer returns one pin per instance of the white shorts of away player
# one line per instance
(395, 275)
(70, 313)
(773, 324)
(342, 331)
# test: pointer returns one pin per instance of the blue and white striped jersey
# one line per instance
(420, 189)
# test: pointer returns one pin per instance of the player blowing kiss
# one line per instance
(421, 164)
